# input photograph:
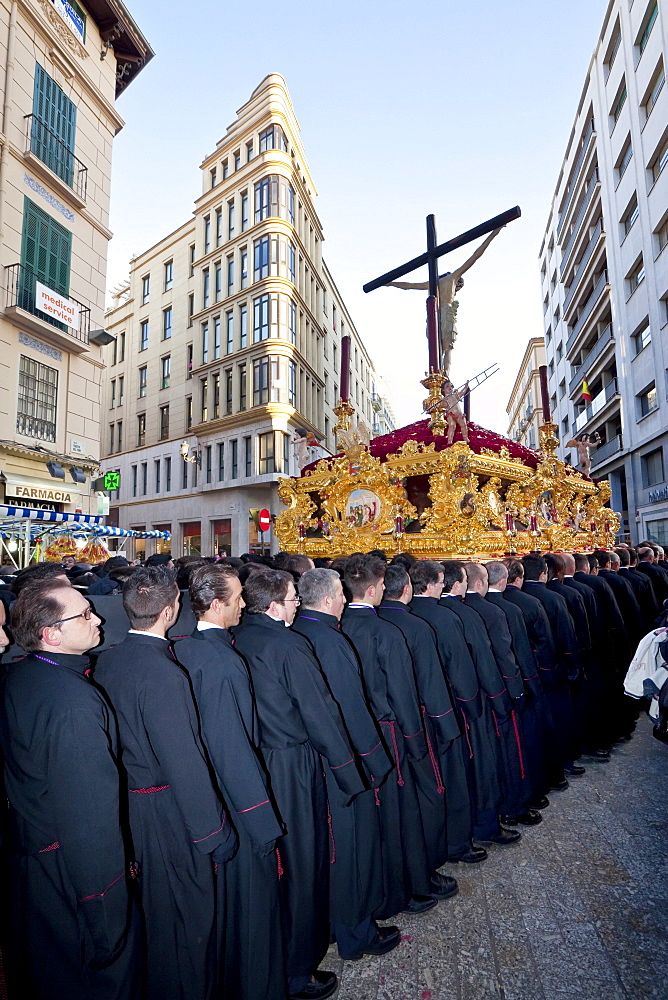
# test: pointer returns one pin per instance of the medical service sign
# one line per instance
(57, 306)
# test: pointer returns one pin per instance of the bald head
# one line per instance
(476, 577)
(569, 563)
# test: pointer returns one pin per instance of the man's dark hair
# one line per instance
(339, 564)
(396, 579)
(362, 572)
(208, 583)
(37, 607)
(280, 559)
(404, 559)
(602, 558)
(624, 557)
(555, 565)
(261, 588)
(581, 560)
(515, 570)
(158, 559)
(633, 556)
(148, 591)
(121, 574)
(452, 573)
(114, 562)
(184, 566)
(422, 573)
(593, 561)
(36, 575)
(297, 564)
(322, 562)
(233, 561)
(533, 567)
(379, 553)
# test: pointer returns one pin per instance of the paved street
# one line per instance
(577, 911)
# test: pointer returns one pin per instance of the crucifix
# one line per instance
(442, 315)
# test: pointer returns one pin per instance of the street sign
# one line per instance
(264, 520)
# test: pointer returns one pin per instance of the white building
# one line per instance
(604, 267)
(524, 409)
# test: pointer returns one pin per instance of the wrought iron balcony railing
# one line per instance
(51, 150)
(20, 293)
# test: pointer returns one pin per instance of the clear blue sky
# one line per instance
(460, 109)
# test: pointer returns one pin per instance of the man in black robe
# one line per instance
(250, 933)
(656, 574)
(625, 597)
(411, 885)
(641, 584)
(568, 659)
(356, 874)
(75, 926)
(441, 776)
(299, 724)
(180, 831)
(473, 694)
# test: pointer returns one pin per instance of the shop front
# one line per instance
(191, 533)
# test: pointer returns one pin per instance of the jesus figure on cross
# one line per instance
(448, 285)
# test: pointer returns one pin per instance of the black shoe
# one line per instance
(541, 803)
(322, 985)
(600, 755)
(443, 886)
(385, 940)
(574, 770)
(418, 905)
(530, 817)
(471, 857)
(504, 838)
(559, 786)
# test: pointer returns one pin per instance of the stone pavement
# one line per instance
(578, 910)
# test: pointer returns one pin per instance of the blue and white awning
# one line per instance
(16, 521)
(7, 511)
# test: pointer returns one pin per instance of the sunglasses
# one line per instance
(87, 614)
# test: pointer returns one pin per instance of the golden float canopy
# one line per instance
(444, 504)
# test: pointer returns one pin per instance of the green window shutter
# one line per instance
(54, 126)
(46, 252)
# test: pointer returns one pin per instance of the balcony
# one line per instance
(582, 266)
(44, 144)
(606, 338)
(376, 402)
(606, 451)
(20, 308)
(598, 402)
(594, 185)
(584, 149)
(587, 310)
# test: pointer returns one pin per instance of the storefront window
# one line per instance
(192, 538)
(163, 544)
(222, 536)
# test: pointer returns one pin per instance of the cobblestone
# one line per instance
(575, 911)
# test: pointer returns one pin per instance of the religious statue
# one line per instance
(453, 412)
(583, 445)
(448, 285)
(303, 440)
(355, 441)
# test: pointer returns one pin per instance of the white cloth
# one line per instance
(203, 626)
(645, 663)
(153, 635)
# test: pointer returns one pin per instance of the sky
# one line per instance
(458, 109)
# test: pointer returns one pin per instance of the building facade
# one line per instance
(63, 67)
(227, 342)
(524, 409)
(604, 268)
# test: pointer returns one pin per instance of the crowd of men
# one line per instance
(201, 819)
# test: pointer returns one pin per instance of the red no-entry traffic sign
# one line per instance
(264, 520)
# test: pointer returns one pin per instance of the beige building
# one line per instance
(228, 340)
(524, 409)
(63, 66)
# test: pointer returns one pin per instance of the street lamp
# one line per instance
(196, 458)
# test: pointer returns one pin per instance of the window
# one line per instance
(226, 170)
(191, 308)
(244, 268)
(234, 449)
(204, 396)
(266, 460)
(230, 275)
(636, 276)
(273, 138)
(141, 430)
(189, 361)
(168, 475)
(191, 269)
(121, 389)
(630, 215)
(184, 474)
(562, 388)
(216, 395)
(228, 391)
(207, 462)
(230, 220)
(134, 480)
(292, 322)
(274, 198)
(244, 211)
(166, 372)
(143, 335)
(218, 281)
(291, 264)
(166, 323)
(207, 233)
(292, 383)
(114, 352)
(143, 381)
(145, 289)
(249, 152)
(205, 287)
(53, 128)
(612, 49)
(655, 88)
(119, 435)
(260, 318)
(213, 174)
(641, 338)
(216, 337)
(261, 256)
(205, 343)
(248, 456)
(229, 322)
(659, 161)
(112, 428)
(646, 31)
(261, 381)
(164, 422)
(113, 394)
(169, 275)
(156, 469)
(221, 462)
(237, 160)
(144, 478)
(189, 412)
(661, 236)
(652, 468)
(219, 226)
(619, 102)
(624, 158)
(647, 400)
(243, 327)
(242, 387)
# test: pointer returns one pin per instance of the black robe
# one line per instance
(598, 705)
(75, 928)
(658, 577)
(299, 721)
(356, 874)
(481, 752)
(618, 647)
(179, 829)
(445, 834)
(642, 588)
(250, 906)
(388, 675)
(628, 605)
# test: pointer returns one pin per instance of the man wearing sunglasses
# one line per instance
(74, 921)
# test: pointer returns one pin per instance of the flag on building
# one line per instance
(586, 395)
